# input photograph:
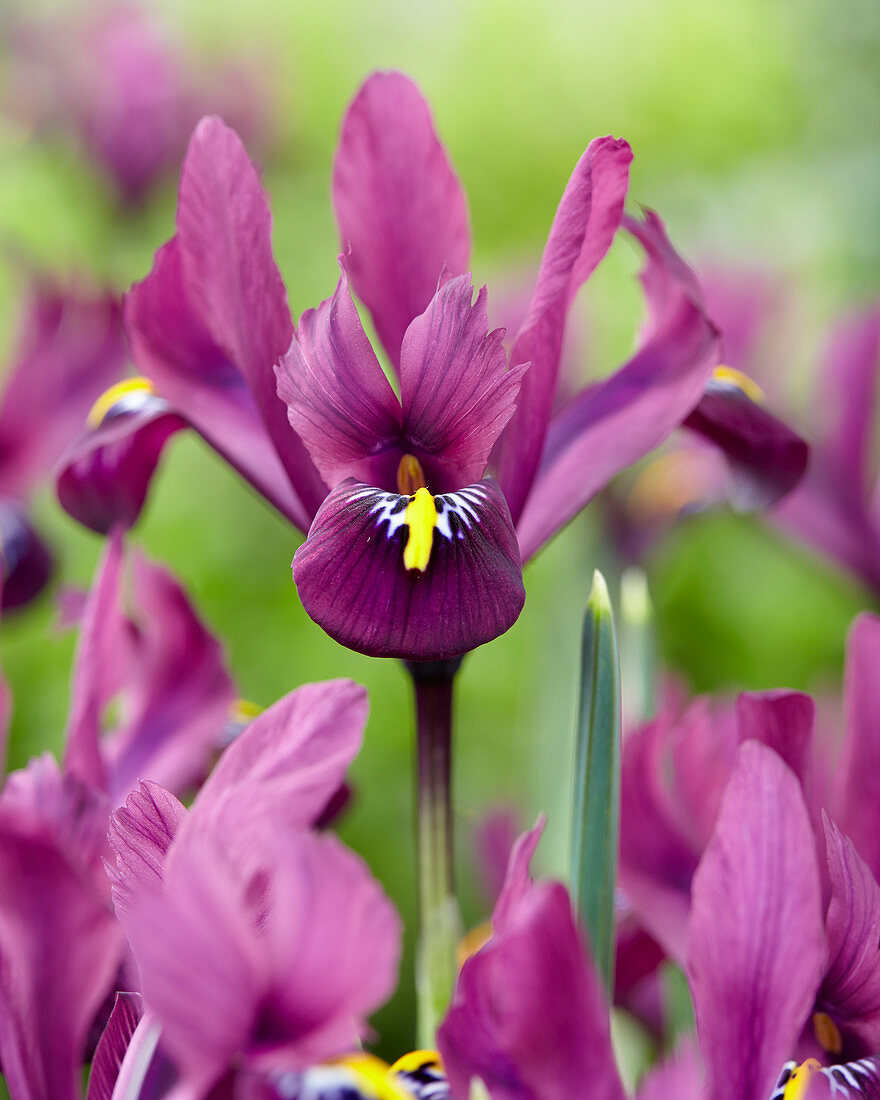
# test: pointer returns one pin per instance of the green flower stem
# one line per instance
(439, 925)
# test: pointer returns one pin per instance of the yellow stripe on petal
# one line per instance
(729, 376)
(421, 518)
(129, 387)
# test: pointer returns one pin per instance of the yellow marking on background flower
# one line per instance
(733, 377)
(796, 1086)
(410, 476)
(421, 518)
(827, 1033)
(244, 711)
(472, 941)
(373, 1072)
(116, 392)
(668, 485)
(416, 1060)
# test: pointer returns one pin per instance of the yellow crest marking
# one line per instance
(421, 518)
(732, 377)
(800, 1079)
(416, 1060)
(374, 1073)
(116, 392)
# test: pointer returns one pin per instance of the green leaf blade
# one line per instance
(596, 800)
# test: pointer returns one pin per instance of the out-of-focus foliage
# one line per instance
(750, 124)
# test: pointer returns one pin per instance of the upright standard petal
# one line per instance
(400, 208)
(140, 835)
(99, 668)
(677, 1078)
(588, 217)
(755, 937)
(168, 667)
(850, 992)
(113, 1044)
(224, 232)
(859, 793)
(338, 400)
(456, 390)
(418, 577)
(615, 422)
(528, 1017)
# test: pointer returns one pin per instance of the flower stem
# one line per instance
(439, 926)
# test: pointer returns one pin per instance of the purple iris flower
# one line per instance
(261, 946)
(60, 946)
(421, 507)
(529, 1018)
(675, 770)
(69, 349)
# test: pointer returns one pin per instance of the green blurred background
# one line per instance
(754, 126)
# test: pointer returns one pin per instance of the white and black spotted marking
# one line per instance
(850, 1080)
(456, 512)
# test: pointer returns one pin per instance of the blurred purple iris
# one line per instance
(529, 1018)
(675, 770)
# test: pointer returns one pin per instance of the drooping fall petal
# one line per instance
(113, 1044)
(424, 584)
(400, 208)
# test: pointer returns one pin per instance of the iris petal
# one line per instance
(354, 582)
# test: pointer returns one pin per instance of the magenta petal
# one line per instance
(59, 944)
(335, 941)
(850, 991)
(755, 938)
(71, 349)
(766, 458)
(587, 218)
(104, 477)
(112, 1045)
(677, 1078)
(178, 690)
(352, 580)
(172, 346)
(224, 232)
(401, 212)
(528, 1016)
(783, 720)
(615, 422)
(518, 881)
(456, 390)
(288, 763)
(860, 761)
(850, 378)
(207, 1007)
(99, 668)
(338, 400)
(140, 835)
